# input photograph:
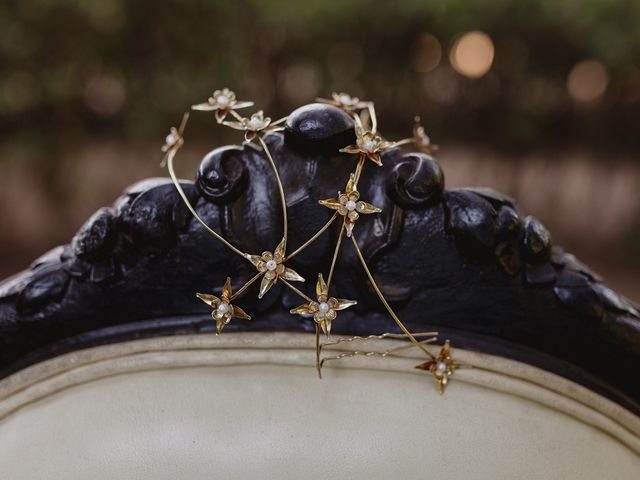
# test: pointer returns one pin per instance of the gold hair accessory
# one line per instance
(270, 265)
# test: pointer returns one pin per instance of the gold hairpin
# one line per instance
(270, 265)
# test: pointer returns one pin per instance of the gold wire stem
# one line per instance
(359, 168)
(295, 290)
(384, 300)
(283, 199)
(312, 239)
(279, 121)
(175, 181)
(381, 337)
(246, 285)
(181, 128)
(236, 115)
(335, 256)
(404, 141)
(372, 117)
(386, 353)
(318, 348)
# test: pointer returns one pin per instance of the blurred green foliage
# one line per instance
(77, 76)
(76, 68)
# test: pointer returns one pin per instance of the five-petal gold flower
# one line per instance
(324, 310)
(222, 102)
(223, 310)
(254, 125)
(174, 140)
(344, 101)
(272, 266)
(421, 139)
(349, 205)
(441, 367)
(368, 143)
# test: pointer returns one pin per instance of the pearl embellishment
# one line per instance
(222, 100)
(441, 367)
(223, 308)
(271, 265)
(369, 145)
(323, 307)
(255, 123)
(170, 139)
(351, 205)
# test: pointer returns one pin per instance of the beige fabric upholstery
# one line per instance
(251, 406)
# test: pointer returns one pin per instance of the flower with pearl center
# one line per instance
(223, 311)
(344, 101)
(368, 143)
(441, 367)
(421, 139)
(172, 141)
(221, 102)
(324, 310)
(349, 205)
(272, 266)
(255, 124)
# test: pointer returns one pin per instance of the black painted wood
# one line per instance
(465, 261)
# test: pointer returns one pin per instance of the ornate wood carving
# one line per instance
(466, 262)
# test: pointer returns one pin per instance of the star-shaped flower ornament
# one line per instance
(368, 143)
(421, 139)
(344, 101)
(174, 140)
(349, 205)
(223, 310)
(273, 268)
(222, 102)
(324, 310)
(441, 367)
(256, 124)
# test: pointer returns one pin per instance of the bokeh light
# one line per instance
(299, 82)
(472, 54)
(104, 94)
(88, 87)
(428, 53)
(587, 81)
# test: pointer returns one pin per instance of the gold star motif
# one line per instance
(324, 310)
(441, 367)
(349, 205)
(344, 101)
(421, 139)
(221, 102)
(272, 266)
(369, 143)
(174, 140)
(223, 310)
(256, 124)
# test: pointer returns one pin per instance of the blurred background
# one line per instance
(539, 99)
